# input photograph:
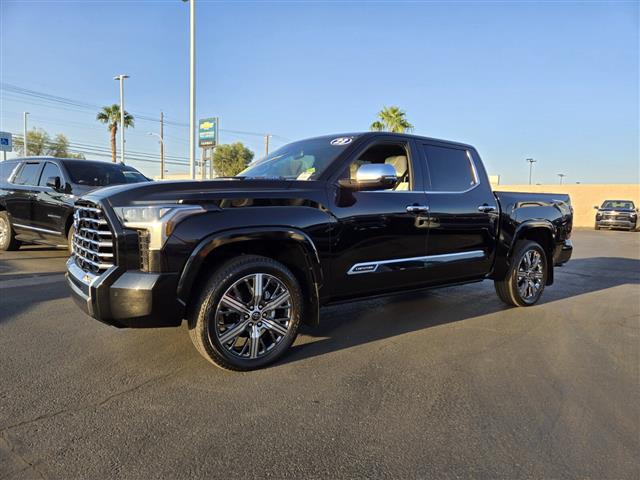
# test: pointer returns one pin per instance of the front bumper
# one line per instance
(616, 223)
(126, 298)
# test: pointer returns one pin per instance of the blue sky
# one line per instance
(557, 81)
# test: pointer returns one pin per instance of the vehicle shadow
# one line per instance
(350, 325)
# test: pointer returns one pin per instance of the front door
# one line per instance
(463, 214)
(380, 235)
(52, 207)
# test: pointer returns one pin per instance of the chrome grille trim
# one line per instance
(93, 246)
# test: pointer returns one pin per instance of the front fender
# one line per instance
(210, 243)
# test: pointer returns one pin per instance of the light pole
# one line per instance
(192, 88)
(161, 153)
(531, 161)
(24, 132)
(561, 175)
(121, 78)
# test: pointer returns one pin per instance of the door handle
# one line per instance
(486, 208)
(417, 208)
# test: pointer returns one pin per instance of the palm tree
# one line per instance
(111, 116)
(391, 119)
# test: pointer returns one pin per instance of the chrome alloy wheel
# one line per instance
(530, 275)
(253, 316)
(4, 230)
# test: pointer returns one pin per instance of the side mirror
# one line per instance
(596, 207)
(54, 182)
(372, 176)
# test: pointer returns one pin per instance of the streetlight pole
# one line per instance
(531, 161)
(121, 79)
(192, 88)
(161, 152)
(561, 175)
(24, 132)
(266, 144)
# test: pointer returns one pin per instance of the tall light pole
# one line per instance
(561, 175)
(192, 88)
(121, 79)
(161, 153)
(266, 144)
(24, 132)
(531, 161)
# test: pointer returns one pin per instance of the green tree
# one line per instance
(37, 143)
(110, 115)
(391, 119)
(59, 147)
(229, 160)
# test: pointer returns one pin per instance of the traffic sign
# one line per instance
(208, 132)
(6, 144)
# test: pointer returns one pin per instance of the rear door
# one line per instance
(22, 196)
(463, 213)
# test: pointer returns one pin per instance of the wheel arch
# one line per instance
(541, 232)
(290, 246)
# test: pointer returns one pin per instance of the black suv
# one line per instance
(617, 214)
(37, 195)
(246, 259)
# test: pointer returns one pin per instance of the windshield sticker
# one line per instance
(341, 141)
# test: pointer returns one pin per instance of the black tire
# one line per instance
(597, 227)
(509, 290)
(208, 317)
(70, 239)
(7, 235)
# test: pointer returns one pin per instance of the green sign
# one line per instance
(208, 132)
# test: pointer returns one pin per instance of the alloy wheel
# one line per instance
(253, 316)
(530, 275)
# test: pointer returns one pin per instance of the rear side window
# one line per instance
(50, 170)
(28, 174)
(450, 169)
(6, 169)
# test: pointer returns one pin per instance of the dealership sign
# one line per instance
(208, 132)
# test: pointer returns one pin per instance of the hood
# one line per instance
(188, 191)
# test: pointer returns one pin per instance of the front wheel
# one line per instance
(248, 313)
(526, 278)
(8, 239)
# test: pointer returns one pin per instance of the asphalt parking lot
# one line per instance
(445, 384)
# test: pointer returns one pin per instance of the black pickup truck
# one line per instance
(246, 259)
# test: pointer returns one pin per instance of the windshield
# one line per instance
(303, 160)
(622, 204)
(96, 174)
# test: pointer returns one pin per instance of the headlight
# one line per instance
(158, 220)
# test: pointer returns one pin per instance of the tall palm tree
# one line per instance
(391, 119)
(111, 116)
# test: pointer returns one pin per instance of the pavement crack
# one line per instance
(11, 449)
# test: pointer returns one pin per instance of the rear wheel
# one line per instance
(7, 235)
(527, 276)
(248, 313)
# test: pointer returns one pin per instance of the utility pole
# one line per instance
(531, 161)
(161, 145)
(121, 78)
(561, 175)
(266, 144)
(24, 131)
(192, 88)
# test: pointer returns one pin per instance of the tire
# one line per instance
(235, 334)
(533, 279)
(596, 227)
(70, 239)
(7, 235)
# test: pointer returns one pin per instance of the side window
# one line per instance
(450, 169)
(28, 174)
(7, 168)
(50, 170)
(394, 154)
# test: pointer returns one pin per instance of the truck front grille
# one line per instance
(92, 240)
